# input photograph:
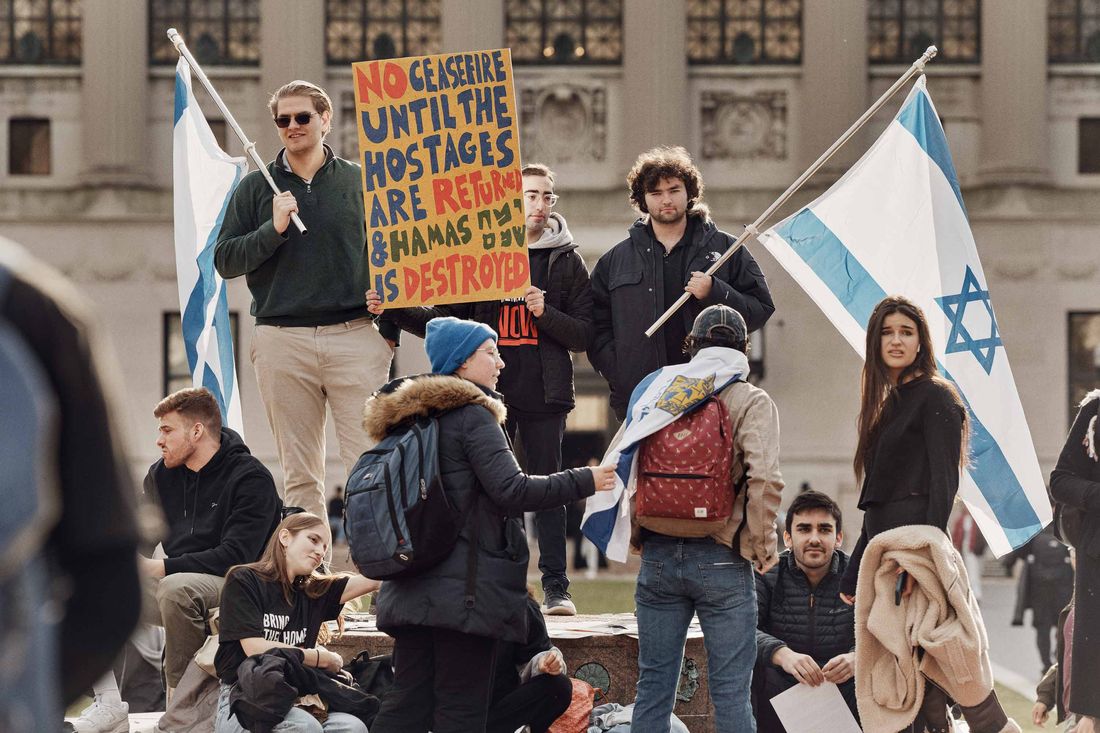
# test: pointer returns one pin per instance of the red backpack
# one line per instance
(684, 486)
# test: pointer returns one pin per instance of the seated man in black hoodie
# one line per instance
(220, 506)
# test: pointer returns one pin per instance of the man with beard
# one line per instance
(805, 633)
(666, 253)
(536, 334)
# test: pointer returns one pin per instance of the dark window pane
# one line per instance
(1088, 145)
(361, 30)
(28, 147)
(744, 31)
(39, 31)
(899, 31)
(177, 373)
(564, 32)
(1073, 31)
(218, 32)
(1084, 357)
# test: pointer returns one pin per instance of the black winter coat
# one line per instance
(1076, 479)
(269, 684)
(565, 325)
(220, 516)
(480, 475)
(628, 296)
(789, 614)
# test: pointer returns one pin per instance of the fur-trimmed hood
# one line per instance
(409, 398)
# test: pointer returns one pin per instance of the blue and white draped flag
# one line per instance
(895, 224)
(203, 180)
(658, 400)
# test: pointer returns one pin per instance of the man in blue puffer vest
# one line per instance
(805, 633)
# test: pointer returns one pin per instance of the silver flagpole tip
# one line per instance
(931, 52)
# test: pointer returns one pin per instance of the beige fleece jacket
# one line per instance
(941, 617)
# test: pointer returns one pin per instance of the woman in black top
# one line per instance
(913, 429)
(282, 601)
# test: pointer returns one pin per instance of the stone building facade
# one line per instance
(756, 89)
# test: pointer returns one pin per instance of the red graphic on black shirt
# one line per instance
(517, 325)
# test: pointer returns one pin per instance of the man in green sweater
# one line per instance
(314, 342)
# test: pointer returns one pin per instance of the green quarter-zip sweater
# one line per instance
(314, 280)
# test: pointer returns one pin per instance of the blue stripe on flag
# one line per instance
(181, 98)
(600, 526)
(919, 118)
(858, 292)
(210, 381)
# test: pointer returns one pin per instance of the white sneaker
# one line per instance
(101, 717)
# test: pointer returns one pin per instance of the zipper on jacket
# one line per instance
(697, 476)
(813, 623)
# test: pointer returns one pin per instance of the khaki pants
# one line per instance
(180, 603)
(298, 370)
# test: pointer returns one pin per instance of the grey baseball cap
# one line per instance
(720, 323)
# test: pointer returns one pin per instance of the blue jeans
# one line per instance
(678, 579)
(296, 721)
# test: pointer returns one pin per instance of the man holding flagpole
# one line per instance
(315, 343)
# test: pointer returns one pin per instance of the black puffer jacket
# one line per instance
(628, 296)
(1076, 479)
(220, 516)
(566, 321)
(789, 614)
(480, 474)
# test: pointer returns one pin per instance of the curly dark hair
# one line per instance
(663, 162)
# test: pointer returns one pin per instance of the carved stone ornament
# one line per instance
(740, 126)
(563, 122)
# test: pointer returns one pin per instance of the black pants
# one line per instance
(536, 703)
(540, 437)
(442, 682)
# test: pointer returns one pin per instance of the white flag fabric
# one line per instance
(657, 401)
(895, 224)
(203, 180)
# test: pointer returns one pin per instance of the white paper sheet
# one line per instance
(821, 708)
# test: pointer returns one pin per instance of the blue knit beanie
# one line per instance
(450, 342)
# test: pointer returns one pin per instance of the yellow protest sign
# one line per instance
(439, 146)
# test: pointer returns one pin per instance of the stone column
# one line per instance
(834, 78)
(292, 38)
(1014, 140)
(472, 25)
(115, 92)
(655, 84)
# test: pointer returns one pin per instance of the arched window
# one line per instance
(1073, 29)
(564, 31)
(40, 31)
(361, 30)
(744, 31)
(900, 30)
(218, 32)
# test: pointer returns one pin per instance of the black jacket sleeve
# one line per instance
(741, 285)
(942, 421)
(494, 465)
(572, 326)
(1069, 482)
(415, 319)
(766, 644)
(255, 503)
(602, 350)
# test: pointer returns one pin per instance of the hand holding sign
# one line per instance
(536, 301)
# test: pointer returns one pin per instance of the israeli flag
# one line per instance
(203, 180)
(657, 401)
(896, 224)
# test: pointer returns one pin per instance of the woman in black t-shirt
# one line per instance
(282, 601)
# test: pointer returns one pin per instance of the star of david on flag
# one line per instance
(895, 223)
(960, 339)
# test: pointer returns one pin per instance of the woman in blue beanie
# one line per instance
(445, 645)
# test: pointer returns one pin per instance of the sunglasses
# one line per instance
(302, 118)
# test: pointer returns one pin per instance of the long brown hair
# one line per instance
(877, 390)
(272, 565)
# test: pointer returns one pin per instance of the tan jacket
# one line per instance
(755, 424)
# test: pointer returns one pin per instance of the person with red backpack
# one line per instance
(707, 489)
